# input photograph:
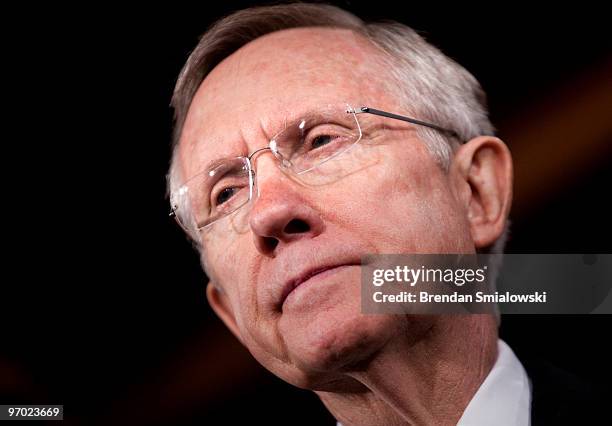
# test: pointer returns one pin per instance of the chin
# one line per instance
(339, 340)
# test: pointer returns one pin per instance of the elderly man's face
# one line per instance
(399, 202)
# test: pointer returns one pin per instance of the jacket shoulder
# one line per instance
(559, 397)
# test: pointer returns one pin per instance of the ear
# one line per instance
(218, 300)
(482, 175)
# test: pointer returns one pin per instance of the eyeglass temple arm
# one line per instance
(369, 110)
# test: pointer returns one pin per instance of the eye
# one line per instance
(225, 195)
(321, 140)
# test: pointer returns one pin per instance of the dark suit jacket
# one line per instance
(560, 398)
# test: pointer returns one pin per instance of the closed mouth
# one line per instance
(295, 283)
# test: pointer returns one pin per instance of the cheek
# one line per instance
(235, 272)
(404, 204)
(230, 271)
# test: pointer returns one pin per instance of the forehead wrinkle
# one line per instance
(265, 132)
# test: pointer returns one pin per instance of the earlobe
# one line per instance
(219, 302)
(482, 170)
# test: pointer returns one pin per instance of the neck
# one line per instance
(430, 380)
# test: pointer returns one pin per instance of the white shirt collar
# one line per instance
(504, 398)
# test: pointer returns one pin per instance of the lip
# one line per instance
(308, 274)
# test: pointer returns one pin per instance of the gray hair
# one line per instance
(428, 83)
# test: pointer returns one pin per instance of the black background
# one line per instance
(103, 301)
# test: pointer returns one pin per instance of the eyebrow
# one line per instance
(194, 152)
(292, 117)
(295, 117)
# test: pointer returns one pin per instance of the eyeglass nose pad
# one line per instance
(254, 183)
(283, 161)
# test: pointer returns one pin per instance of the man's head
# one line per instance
(403, 188)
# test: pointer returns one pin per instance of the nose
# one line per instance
(281, 213)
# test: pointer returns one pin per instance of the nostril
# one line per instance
(296, 226)
(270, 243)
